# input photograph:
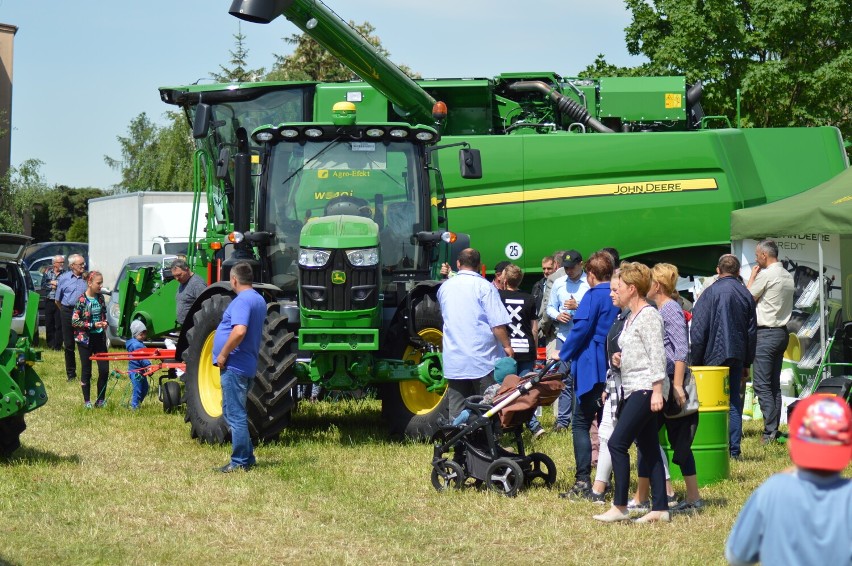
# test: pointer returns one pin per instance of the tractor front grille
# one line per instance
(359, 291)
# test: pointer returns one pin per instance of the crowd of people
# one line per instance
(626, 340)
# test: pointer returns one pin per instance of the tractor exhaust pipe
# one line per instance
(564, 104)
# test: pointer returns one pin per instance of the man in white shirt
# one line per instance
(475, 334)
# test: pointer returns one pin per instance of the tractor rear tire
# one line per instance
(10, 434)
(272, 398)
(201, 378)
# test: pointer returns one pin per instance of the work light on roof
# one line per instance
(375, 133)
(425, 136)
(264, 136)
(398, 133)
(289, 133)
(313, 132)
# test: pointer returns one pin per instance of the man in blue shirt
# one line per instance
(565, 297)
(69, 287)
(475, 334)
(236, 345)
(814, 495)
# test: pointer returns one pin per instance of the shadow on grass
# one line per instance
(35, 456)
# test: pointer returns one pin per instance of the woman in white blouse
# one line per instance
(645, 386)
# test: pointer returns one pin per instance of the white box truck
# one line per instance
(130, 224)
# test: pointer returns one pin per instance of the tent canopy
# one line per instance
(824, 209)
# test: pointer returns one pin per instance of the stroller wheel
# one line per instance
(541, 467)
(505, 476)
(447, 475)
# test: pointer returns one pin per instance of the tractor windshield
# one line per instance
(376, 180)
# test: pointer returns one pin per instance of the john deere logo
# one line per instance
(338, 277)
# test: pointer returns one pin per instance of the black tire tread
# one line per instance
(10, 434)
(270, 400)
(203, 426)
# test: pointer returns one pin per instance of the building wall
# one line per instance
(7, 40)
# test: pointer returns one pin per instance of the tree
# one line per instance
(309, 61)
(239, 71)
(24, 190)
(155, 158)
(63, 207)
(792, 59)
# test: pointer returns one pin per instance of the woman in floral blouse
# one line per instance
(89, 323)
(645, 386)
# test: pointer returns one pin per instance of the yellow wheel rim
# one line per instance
(414, 395)
(209, 384)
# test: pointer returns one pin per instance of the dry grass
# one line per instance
(111, 486)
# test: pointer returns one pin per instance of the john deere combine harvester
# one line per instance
(339, 194)
(21, 390)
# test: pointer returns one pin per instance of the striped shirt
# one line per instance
(675, 339)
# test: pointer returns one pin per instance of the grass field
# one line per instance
(111, 486)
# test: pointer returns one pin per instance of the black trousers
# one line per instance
(637, 422)
(52, 325)
(68, 342)
(97, 344)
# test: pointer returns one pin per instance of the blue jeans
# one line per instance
(585, 411)
(140, 389)
(766, 376)
(523, 369)
(735, 417)
(566, 398)
(235, 389)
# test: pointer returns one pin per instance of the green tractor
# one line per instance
(342, 209)
(21, 389)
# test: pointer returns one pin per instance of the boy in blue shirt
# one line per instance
(136, 367)
(813, 494)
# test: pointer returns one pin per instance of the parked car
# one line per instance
(36, 253)
(113, 305)
(15, 275)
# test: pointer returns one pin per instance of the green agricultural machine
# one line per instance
(341, 196)
(21, 389)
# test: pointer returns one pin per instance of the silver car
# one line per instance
(15, 275)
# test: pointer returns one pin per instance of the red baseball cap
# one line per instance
(821, 433)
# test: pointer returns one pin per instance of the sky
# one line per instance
(83, 70)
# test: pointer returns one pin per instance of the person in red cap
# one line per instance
(812, 495)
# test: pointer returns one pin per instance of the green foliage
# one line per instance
(24, 188)
(239, 71)
(61, 209)
(792, 59)
(311, 62)
(79, 231)
(154, 158)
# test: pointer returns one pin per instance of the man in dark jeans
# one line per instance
(69, 287)
(772, 288)
(52, 318)
(724, 333)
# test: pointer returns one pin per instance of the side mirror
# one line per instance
(201, 125)
(470, 164)
(223, 163)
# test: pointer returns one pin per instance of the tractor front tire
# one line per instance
(10, 434)
(408, 408)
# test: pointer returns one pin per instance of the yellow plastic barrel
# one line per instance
(710, 445)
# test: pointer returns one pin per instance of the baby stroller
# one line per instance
(477, 453)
